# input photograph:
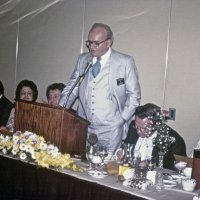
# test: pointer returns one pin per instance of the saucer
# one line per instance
(176, 177)
(99, 175)
(169, 183)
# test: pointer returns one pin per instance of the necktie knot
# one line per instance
(96, 67)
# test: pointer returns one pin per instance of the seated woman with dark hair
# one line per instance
(26, 90)
(143, 131)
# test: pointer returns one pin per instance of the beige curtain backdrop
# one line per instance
(41, 40)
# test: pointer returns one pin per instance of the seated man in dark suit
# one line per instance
(5, 107)
(142, 133)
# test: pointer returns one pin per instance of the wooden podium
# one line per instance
(61, 127)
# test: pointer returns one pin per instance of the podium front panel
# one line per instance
(61, 127)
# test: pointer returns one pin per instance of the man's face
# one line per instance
(143, 127)
(98, 35)
(54, 97)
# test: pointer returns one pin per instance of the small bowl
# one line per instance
(187, 172)
(189, 184)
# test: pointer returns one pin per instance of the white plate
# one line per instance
(99, 176)
(169, 183)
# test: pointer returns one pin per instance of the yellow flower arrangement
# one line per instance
(32, 147)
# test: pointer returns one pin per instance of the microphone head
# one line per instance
(89, 63)
(92, 139)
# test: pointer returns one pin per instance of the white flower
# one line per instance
(28, 133)
(1, 137)
(56, 149)
(43, 146)
(15, 138)
(29, 149)
(51, 146)
(22, 156)
(14, 152)
(22, 147)
(4, 151)
(33, 155)
(7, 138)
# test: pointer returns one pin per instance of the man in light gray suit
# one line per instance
(108, 91)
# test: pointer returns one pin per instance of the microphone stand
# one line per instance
(78, 82)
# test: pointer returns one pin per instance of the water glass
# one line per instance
(136, 159)
(151, 163)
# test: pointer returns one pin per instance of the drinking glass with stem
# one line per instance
(89, 155)
(103, 149)
(180, 165)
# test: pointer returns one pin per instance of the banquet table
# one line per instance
(25, 180)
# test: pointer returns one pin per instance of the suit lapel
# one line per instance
(112, 71)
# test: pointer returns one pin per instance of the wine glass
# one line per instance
(180, 165)
(96, 160)
(103, 150)
(89, 155)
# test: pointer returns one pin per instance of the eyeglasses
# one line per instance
(96, 43)
(26, 93)
(147, 129)
(141, 129)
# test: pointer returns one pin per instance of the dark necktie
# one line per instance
(96, 67)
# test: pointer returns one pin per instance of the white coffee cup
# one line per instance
(187, 172)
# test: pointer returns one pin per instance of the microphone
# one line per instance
(88, 66)
(78, 82)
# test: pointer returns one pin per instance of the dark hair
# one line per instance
(106, 27)
(1, 88)
(148, 110)
(26, 83)
(55, 86)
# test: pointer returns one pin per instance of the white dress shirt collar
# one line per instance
(104, 58)
(145, 146)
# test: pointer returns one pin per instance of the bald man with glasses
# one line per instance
(109, 91)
